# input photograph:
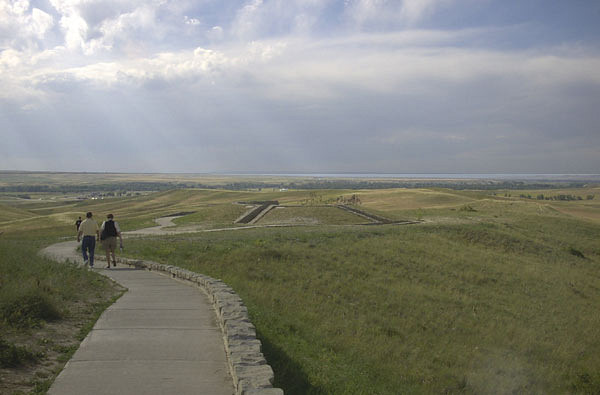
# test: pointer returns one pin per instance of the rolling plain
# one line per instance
(479, 291)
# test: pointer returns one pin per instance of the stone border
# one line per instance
(249, 369)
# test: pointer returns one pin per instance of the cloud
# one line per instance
(41, 23)
(215, 34)
(412, 63)
(95, 26)
(22, 26)
(258, 19)
(292, 85)
(412, 11)
(378, 14)
(191, 21)
(372, 62)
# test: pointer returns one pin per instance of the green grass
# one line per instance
(8, 213)
(35, 292)
(12, 355)
(489, 300)
(491, 294)
(213, 216)
(311, 216)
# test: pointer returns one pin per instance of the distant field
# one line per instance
(492, 293)
(311, 216)
(34, 182)
(213, 216)
(8, 213)
(586, 208)
(115, 179)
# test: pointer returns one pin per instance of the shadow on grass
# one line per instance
(289, 375)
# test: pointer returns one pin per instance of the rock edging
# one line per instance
(248, 366)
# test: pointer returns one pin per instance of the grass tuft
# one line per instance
(576, 252)
(12, 356)
(586, 383)
(28, 309)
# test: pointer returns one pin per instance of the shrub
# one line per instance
(28, 309)
(586, 384)
(575, 252)
(12, 356)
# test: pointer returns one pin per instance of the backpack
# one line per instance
(109, 230)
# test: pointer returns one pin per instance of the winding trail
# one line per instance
(160, 337)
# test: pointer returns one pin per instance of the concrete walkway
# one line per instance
(160, 337)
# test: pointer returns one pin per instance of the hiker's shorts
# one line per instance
(110, 243)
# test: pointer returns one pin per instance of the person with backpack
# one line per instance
(109, 231)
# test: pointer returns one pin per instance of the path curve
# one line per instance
(161, 336)
(165, 336)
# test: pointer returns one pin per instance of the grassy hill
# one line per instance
(491, 293)
(9, 213)
(488, 295)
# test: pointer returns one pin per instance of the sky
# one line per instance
(325, 86)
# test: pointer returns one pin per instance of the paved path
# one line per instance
(160, 337)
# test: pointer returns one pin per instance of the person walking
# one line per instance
(109, 231)
(77, 223)
(89, 230)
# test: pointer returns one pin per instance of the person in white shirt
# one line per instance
(89, 230)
